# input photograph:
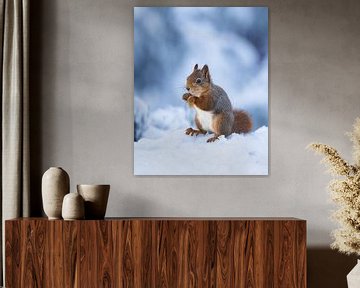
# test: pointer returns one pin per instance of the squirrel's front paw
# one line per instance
(186, 96)
(191, 100)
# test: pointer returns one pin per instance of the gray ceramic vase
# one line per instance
(96, 198)
(55, 185)
(73, 207)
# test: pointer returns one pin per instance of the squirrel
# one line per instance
(214, 112)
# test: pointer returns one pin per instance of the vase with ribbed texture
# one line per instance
(73, 207)
(55, 185)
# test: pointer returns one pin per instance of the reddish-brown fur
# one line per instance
(204, 102)
(242, 122)
(221, 126)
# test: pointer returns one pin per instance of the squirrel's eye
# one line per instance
(198, 81)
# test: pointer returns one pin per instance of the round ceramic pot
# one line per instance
(73, 207)
(96, 198)
(55, 185)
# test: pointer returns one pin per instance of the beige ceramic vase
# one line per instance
(55, 185)
(73, 207)
(96, 198)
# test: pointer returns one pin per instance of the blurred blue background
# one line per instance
(169, 41)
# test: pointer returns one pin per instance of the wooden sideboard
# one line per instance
(156, 252)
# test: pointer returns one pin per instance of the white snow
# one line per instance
(164, 119)
(175, 153)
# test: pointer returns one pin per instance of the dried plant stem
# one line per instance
(336, 163)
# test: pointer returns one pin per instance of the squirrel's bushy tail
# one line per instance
(242, 122)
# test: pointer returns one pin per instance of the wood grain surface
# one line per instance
(159, 252)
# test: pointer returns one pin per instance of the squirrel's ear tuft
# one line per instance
(205, 71)
(196, 67)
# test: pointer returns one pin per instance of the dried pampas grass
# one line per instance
(345, 191)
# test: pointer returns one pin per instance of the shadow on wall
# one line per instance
(35, 64)
(328, 268)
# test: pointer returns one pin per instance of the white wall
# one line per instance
(84, 78)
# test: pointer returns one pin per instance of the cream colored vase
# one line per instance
(73, 207)
(96, 198)
(353, 278)
(55, 185)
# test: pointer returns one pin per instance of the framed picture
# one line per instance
(201, 91)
